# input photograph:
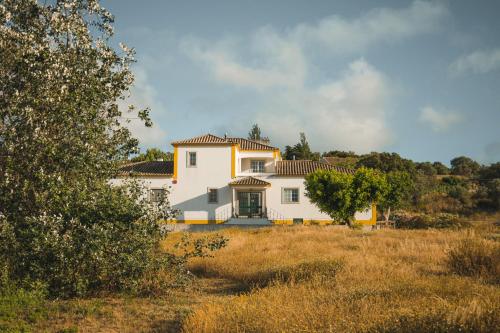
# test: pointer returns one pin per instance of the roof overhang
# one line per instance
(249, 182)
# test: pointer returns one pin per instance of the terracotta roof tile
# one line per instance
(304, 167)
(244, 144)
(148, 168)
(249, 181)
(203, 139)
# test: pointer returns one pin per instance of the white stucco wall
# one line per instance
(303, 209)
(190, 193)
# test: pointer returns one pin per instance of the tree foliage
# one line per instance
(341, 195)
(426, 168)
(398, 191)
(153, 154)
(339, 153)
(387, 162)
(61, 139)
(61, 128)
(490, 172)
(301, 151)
(255, 133)
(441, 169)
(108, 245)
(464, 166)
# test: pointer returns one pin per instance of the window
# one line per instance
(257, 166)
(213, 195)
(156, 195)
(191, 159)
(290, 195)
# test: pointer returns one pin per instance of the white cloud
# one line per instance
(346, 112)
(440, 121)
(477, 62)
(378, 25)
(143, 95)
(280, 63)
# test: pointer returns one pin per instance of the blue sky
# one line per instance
(421, 78)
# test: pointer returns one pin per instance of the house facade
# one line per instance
(229, 180)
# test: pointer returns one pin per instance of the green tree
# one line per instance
(489, 186)
(459, 189)
(441, 169)
(399, 188)
(387, 162)
(61, 140)
(464, 166)
(426, 168)
(255, 133)
(301, 151)
(153, 154)
(490, 172)
(341, 195)
(340, 153)
(493, 193)
(60, 83)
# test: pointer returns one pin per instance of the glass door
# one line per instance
(250, 203)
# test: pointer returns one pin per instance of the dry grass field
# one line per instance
(385, 281)
(316, 279)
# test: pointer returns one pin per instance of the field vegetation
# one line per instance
(80, 255)
(303, 279)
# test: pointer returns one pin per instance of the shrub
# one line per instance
(106, 241)
(475, 257)
(436, 221)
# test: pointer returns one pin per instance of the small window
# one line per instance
(290, 195)
(257, 166)
(156, 195)
(213, 195)
(191, 159)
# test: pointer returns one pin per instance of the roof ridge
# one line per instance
(250, 140)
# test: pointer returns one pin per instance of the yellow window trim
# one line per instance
(176, 156)
(233, 160)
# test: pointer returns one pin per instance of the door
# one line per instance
(250, 203)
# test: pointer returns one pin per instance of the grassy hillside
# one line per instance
(300, 279)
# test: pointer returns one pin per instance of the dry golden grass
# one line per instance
(308, 279)
(391, 281)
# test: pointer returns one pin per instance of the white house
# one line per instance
(233, 180)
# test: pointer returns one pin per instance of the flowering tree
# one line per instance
(60, 86)
(61, 139)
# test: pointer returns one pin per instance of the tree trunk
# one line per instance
(350, 221)
(387, 213)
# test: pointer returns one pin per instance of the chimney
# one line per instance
(225, 136)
